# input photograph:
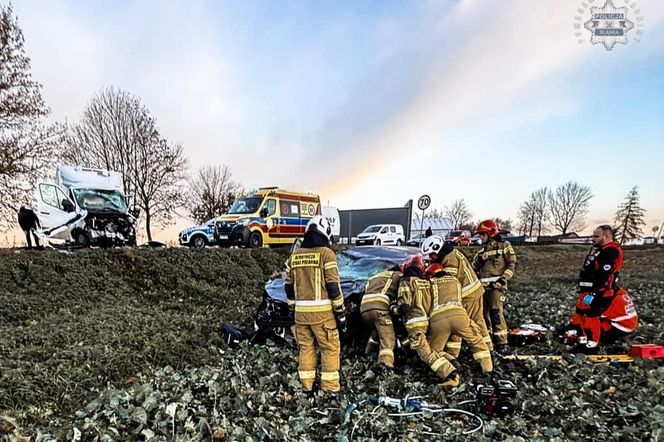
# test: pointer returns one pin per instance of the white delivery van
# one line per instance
(381, 235)
(85, 206)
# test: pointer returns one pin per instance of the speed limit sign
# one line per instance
(423, 202)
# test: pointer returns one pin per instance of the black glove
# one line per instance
(341, 319)
(502, 282)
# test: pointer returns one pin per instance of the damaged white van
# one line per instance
(86, 207)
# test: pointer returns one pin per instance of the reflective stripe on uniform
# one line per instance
(317, 283)
(417, 322)
(437, 363)
(622, 328)
(307, 374)
(386, 352)
(508, 274)
(621, 318)
(291, 303)
(453, 344)
(470, 288)
(330, 265)
(450, 270)
(508, 249)
(487, 339)
(444, 307)
(318, 305)
(329, 376)
(491, 279)
(500, 333)
(338, 301)
(482, 355)
(494, 252)
(585, 284)
(377, 297)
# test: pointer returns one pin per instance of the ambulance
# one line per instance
(269, 216)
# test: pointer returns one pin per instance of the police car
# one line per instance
(198, 236)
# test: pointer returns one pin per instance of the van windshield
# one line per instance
(372, 229)
(100, 200)
(245, 205)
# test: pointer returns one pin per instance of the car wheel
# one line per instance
(399, 243)
(81, 238)
(377, 242)
(198, 241)
(255, 240)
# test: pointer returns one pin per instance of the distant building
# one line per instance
(439, 226)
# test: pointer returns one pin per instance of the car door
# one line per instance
(54, 208)
(393, 235)
(269, 212)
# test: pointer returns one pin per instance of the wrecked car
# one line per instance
(85, 206)
(356, 266)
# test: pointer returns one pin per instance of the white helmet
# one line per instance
(432, 244)
(321, 224)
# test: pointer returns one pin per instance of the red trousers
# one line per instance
(620, 316)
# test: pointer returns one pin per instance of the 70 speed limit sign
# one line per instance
(423, 202)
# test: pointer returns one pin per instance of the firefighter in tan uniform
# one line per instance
(380, 293)
(455, 263)
(414, 304)
(494, 263)
(313, 290)
(449, 318)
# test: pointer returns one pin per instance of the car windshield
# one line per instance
(372, 229)
(454, 233)
(209, 222)
(246, 205)
(100, 200)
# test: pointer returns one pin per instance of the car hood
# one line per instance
(193, 228)
(356, 266)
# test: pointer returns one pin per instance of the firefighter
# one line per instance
(603, 307)
(381, 292)
(414, 306)
(449, 318)
(494, 263)
(456, 264)
(314, 292)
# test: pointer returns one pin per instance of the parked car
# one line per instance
(458, 237)
(356, 265)
(381, 235)
(475, 240)
(416, 241)
(198, 236)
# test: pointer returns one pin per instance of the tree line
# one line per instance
(115, 132)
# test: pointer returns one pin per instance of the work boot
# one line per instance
(453, 380)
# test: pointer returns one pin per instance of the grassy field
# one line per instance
(78, 328)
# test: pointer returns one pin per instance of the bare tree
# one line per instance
(568, 206)
(117, 132)
(458, 213)
(159, 180)
(212, 192)
(539, 201)
(526, 217)
(629, 217)
(28, 144)
(504, 224)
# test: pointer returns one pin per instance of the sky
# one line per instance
(371, 104)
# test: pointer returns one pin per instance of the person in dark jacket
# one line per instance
(29, 223)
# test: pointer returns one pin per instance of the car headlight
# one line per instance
(243, 222)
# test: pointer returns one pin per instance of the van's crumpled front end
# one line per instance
(108, 221)
(356, 266)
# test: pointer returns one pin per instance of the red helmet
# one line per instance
(414, 260)
(489, 227)
(431, 271)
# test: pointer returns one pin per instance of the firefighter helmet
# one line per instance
(431, 271)
(411, 261)
(489, 227)
(321, 225)
(432, 244)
